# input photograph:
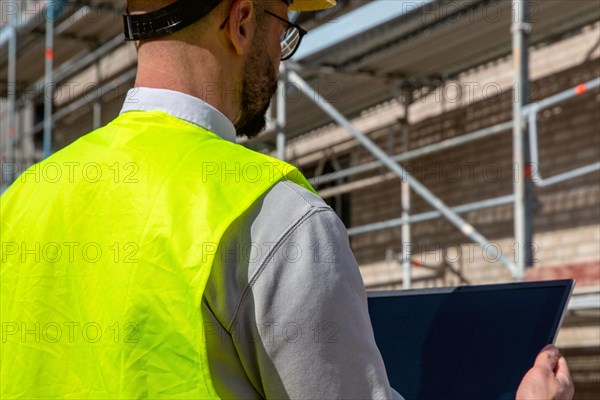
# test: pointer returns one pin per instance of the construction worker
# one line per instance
(155, 258)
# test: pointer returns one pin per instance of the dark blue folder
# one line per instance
(469, 342)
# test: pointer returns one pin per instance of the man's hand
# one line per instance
(548, 379)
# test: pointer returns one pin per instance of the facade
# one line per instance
(483, 169)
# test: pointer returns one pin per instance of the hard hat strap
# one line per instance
(166, 20)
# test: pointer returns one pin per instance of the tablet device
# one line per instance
(469, 342)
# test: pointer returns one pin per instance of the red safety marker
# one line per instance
(528, 171)
(49, 53)
(580, 89)
(416, 263)
(11, 132)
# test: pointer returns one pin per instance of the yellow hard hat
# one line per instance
(182, 13)
(310, 5)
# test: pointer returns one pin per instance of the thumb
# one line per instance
(548, 358)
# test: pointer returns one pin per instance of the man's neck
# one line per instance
(208, 80)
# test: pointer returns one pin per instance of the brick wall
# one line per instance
(567, 218)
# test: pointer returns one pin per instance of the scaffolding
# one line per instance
(377, 52)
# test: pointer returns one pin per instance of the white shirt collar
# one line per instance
(182, 106)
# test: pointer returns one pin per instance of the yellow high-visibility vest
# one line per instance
(106, 248)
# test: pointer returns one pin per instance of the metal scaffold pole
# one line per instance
(521, 166)
(281, 112)
(97, 107)
(407, 99)
(12, 98)
(466, 228)
(48, 84)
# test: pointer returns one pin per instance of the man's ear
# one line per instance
(242, 25)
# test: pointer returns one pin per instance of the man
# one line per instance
(182, 265)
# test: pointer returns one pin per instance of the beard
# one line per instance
(259, 83)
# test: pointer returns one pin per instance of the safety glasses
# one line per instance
(290, 38)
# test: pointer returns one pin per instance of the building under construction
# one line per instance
(458, 140)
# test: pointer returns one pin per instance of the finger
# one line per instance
(562, 371)
(563, 376)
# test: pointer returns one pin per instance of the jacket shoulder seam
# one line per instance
(288, 232)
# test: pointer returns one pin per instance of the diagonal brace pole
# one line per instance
(418, 187)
